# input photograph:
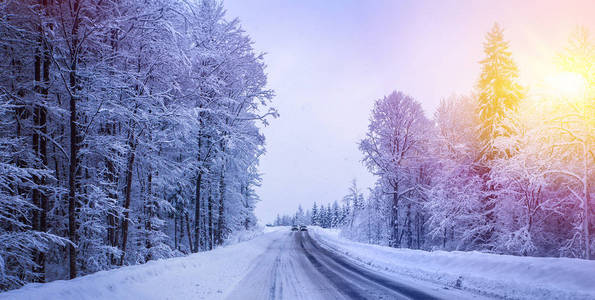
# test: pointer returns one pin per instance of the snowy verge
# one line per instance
(243, 235)
(502, 276)
(205, 275)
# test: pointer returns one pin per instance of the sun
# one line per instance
(567, 85)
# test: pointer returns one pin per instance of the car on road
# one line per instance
(294, 228)
(303, 228)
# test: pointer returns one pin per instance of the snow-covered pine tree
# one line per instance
(315, 220)
(498, 93)
(335, 215)
(498, 89)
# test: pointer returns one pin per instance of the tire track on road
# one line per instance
(357, 282)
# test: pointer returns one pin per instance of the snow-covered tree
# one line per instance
(353, 203)
(107, 108)
(393, 149)
(498, 89)
(315, 220)
(456, 216)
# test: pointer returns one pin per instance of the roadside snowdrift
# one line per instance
(489, 274)
(205, 275)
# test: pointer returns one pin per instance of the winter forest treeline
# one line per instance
(333, 215)
(507, 169)
(129, 132)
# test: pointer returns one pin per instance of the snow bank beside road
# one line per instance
(205, 275)
(243, 235)
(490, 274)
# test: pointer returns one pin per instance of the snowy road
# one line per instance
(296, 267)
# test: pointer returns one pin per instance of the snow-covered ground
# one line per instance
(504, 276)
(278, 263)
(206, 275)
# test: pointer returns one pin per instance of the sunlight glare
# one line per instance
(568, 85)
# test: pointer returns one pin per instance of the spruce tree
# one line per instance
(315, 216)
(498, 89)
(498, 93)
(335, 217)
(329, 216)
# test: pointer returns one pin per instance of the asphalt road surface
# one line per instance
(296, 267)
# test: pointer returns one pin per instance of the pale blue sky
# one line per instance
(329, 60)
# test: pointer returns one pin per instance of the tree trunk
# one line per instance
(422, 230)
(72, 185)
(150, 213)
(210, 217)
(221, 219)
(408, 224)
(181, 238)
(394, 218)
(188, 231)
(35, 141)
(176, 230)
(43, 139)
(111, 177)
(128, 192)
(35, 197)
(112, 214)
(197, 198)
(74, 145)
(444, 239)
(197, 211)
